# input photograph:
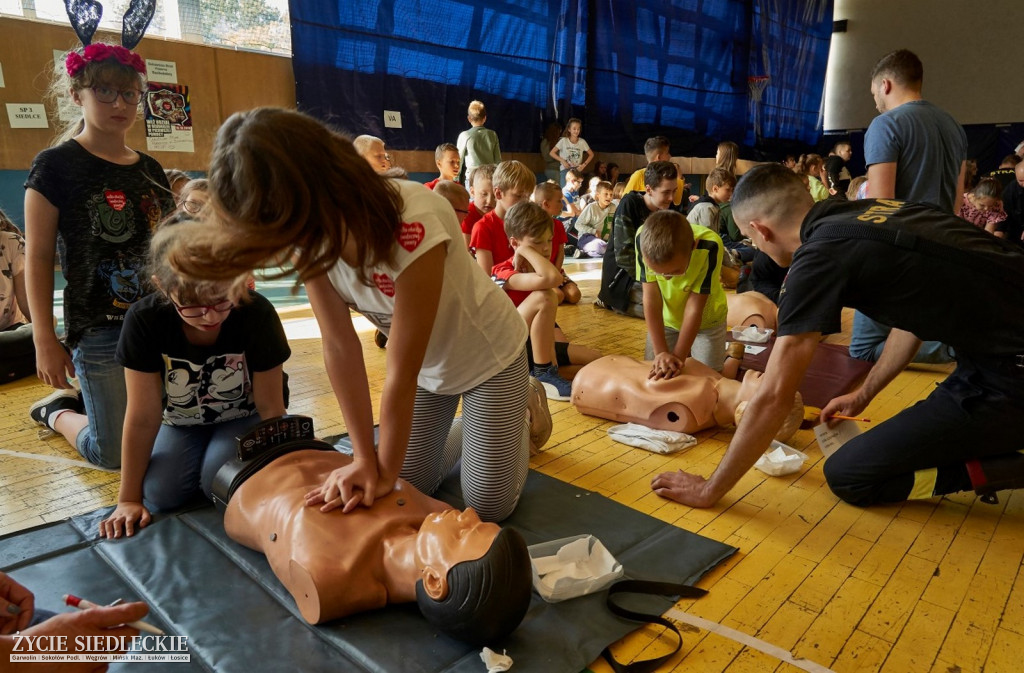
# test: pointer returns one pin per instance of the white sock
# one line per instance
(52, 418)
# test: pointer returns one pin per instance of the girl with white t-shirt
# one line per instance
(571, 149)
(283, 186)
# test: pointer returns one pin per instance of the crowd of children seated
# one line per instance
(140, 372)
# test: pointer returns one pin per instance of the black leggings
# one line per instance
(976, 415)
(17, 353)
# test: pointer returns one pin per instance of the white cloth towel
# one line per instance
(495, 662)
(658, 441)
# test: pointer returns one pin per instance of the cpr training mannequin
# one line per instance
(752, 308)
(621, 389)
(472, 580)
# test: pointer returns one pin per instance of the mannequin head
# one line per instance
(482, 599)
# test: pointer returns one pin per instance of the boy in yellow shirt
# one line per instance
(684, 302)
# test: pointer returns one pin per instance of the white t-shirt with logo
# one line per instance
(477, 332)
(572, 153)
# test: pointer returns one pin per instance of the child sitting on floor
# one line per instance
(513, 182)
(571, 194)
(548, 196)
(203, 365)
(17, 352)
(591, 194)
(678, 260)
(446, 156)
(594, 224)
(529, 278)
(481, 194)
(983, 206)
(705, 211)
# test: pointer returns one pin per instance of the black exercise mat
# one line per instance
(239, 618)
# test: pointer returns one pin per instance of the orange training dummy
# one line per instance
(620, 389)
(471, 580)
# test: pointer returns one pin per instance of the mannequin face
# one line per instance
(446, 539)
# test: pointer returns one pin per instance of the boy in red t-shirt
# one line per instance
(513, 182)
(529, 278)
(446, 156)
(549, 197)
(481, 193)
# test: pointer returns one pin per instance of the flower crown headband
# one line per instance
(85, 19)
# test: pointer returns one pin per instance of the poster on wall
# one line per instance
(168, 118)
(66, 109)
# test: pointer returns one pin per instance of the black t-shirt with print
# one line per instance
(203, 384)
(968, 298)
(107, 212)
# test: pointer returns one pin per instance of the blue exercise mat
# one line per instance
(240, 619)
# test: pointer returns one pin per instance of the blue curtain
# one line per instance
(628, 69)
(789, 42)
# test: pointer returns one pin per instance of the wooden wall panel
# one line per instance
(220, 82)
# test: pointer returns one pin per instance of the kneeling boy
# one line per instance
(529, 278)
(677, 260)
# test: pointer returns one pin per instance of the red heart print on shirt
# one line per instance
(410, 235)
(384, 283)
(116, 200)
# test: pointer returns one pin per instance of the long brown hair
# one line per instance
(285, 189)
(728, 153)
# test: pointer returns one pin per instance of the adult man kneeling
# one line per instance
(929, 275)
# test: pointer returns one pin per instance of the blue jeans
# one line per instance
(104, 396)
(186, 458)
(868, 340)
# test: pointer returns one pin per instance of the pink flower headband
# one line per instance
(95, 53)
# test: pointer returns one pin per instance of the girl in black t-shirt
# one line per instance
(102, 198)
(203, 365)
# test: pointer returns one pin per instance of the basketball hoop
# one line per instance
(757, 85)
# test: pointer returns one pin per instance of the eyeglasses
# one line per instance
(192, 206)
(200, 311)
(105, 94)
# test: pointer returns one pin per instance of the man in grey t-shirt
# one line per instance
(915, 151)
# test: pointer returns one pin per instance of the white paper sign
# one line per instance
(66, 109)
(27, 115)
(58, 60)
(162, 71)
(830, 439)
(2, 85)
(750, 349)
(392, 119)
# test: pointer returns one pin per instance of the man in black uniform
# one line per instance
(929, 275)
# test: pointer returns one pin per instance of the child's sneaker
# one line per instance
(58, 400)
(555, 387)
(538, 415)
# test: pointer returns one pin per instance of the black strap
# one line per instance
(650, 588)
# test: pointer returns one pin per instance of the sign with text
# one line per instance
(830, 439)
(162, 71)
(27, 115)
(168, 118)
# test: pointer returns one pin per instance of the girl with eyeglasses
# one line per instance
(202, 365)
(103, 198)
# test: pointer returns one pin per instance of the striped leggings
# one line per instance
(492, 438)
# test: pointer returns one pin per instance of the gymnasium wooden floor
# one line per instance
(932, 585)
